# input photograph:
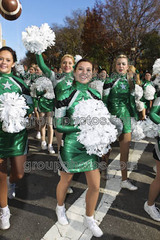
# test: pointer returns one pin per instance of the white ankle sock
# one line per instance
(89, 218)
(4, 210)
(60, 207)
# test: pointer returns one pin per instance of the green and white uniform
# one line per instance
(14, 144)
(42, 103)
(97, 83)
(29, 78)
(154, 116)
(73, 155)
(146, 102)
(60, 84)
(119, 100)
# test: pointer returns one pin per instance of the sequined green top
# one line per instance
(155, 117)
(73, 155)
(14, 144)
(63, 82)
(120, 100)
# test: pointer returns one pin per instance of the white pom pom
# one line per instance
(138, 92)
(139, 105)
(137, 130)
(97, 132)
(12, 112)
(150, 129)
(142, 129)
(77, 58)
(156, 82)
(19, 69)
(156, 67)
(98, 85)
(118, 123)
(149, 92)
(43, 84)
(37, 40)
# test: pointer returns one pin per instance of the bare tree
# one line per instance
(127, 21)
(68, 37)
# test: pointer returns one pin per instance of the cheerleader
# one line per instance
(38, 73)
(98, 80)
(148, 96)
(73, 156)
(43, 97)
(13, 144)
(118, 95)
(154, 189)
(61, 82)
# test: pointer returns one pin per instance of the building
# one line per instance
(2, 41)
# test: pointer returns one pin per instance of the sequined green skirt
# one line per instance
(13, 144)
(45, 105)
(122, 112)
(74, 158)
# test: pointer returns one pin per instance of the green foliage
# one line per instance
(150, 50)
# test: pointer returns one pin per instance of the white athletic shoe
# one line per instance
(11, 189)
(155, 169)
(91, 224)
(43, 145)
(59, 173)
(50, 149)
(152, 211)
(69, 190)
(38, 136)
(4, 220)
(61, 215)
(128, 185)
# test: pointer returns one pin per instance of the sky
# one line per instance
(37, 12)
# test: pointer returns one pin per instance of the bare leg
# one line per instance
(50, 127)
(42, 126)
(3, 183)
(65, 179)
(93, 181)
(104, 164)
(124, 142)
(143, 114)
(154, 189)
(17, 168)
(36, 115)
(59, 139)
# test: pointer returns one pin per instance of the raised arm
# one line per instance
(45, 69)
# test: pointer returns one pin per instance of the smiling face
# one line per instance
(6, 62)
(67, 65)
(148, 76)
(122, 65)
(38, 71)
(103, 74)
(32, 70)
(83, 72)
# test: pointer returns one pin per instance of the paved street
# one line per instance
(119, 212)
